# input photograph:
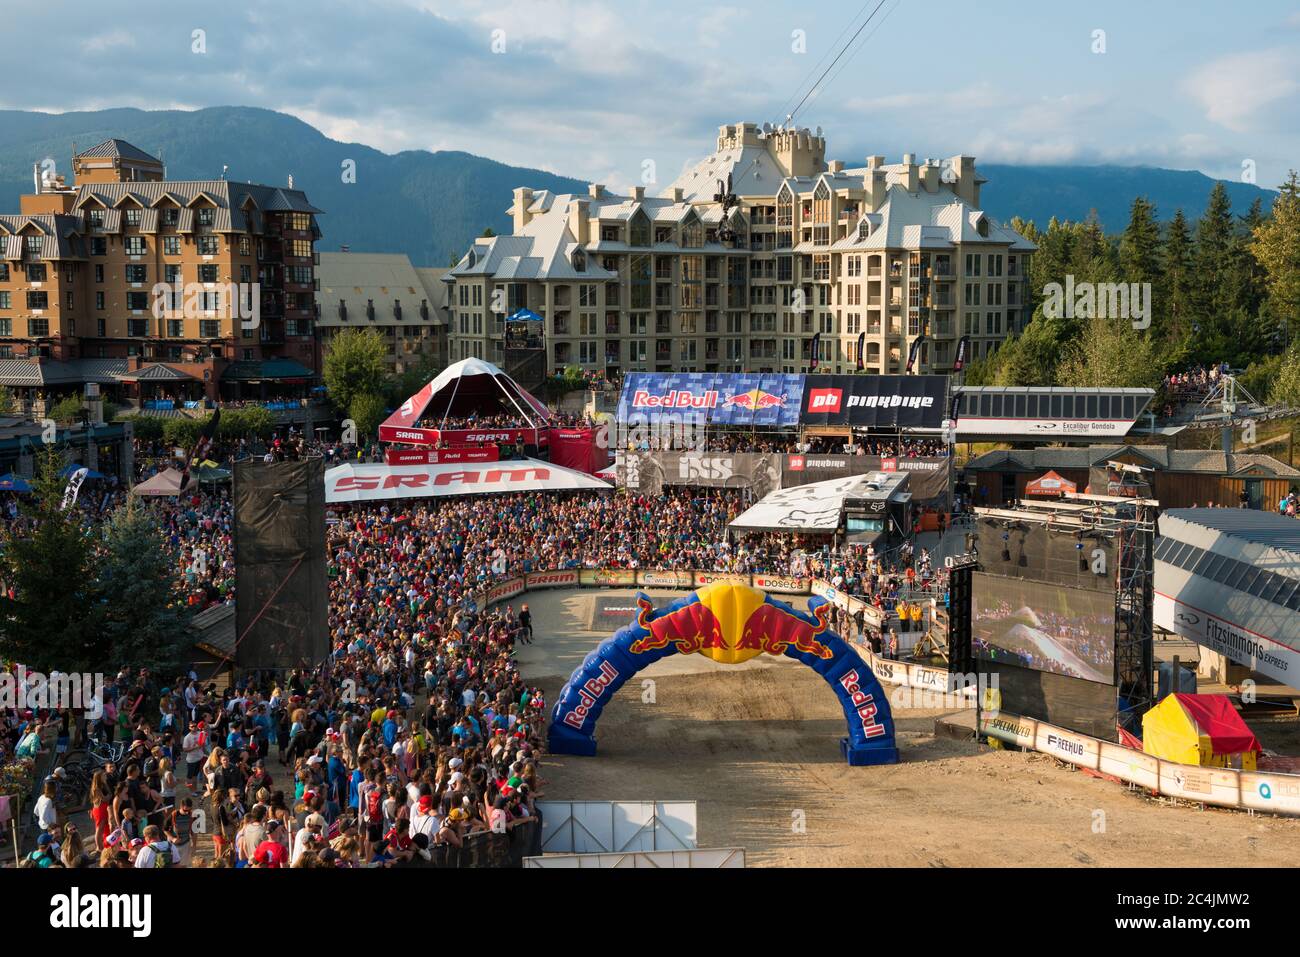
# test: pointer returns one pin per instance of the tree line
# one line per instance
(1224, 288)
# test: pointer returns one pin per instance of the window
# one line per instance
(209, 329)
(95, 218)
(207, 273)
(301, 248)
(135, 246)
(36, 272)
(205, 215)
(995, 264)
(38, 300)
(169, 215)
(172, 273)
(175, 328)
(171, 245)
(137, 301)
(132, 216)
(136, 272)
(68, 299)
(973, 264)
(6, 327)
(98, 246)
(245, 246)
(99, 300)
(38, 327)
(208, 245)
(5, 301)
(579, 261)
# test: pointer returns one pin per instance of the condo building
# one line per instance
(747, 257)
(157, 288)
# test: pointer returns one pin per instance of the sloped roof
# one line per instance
(1160, 457)
(115, 148)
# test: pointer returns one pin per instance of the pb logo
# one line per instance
(824, 400)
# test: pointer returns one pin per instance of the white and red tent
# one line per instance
(467, 389)
(373, 483)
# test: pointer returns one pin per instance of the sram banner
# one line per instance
(782, 584)
(560, 579)
(368, 483)
(489, 453)
(607, 576)
(417, 436)
(507, 589)
(670, 579)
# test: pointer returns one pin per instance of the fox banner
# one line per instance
(730, 623)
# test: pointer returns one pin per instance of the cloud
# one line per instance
(1235, 90)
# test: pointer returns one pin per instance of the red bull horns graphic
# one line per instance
(755, 399)
(730, 623)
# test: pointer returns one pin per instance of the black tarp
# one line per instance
(875, 401)
(281, 605)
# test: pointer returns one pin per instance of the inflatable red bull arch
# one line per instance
(730, 623)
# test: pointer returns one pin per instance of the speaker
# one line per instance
(961, 655)
(281, 589)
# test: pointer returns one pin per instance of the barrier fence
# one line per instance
(710, 857)
(1272, 792)
(598, 827)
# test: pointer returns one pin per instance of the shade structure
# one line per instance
(815, 507)
(1050, 484)
(373, 483)
(470, 387)
(70, 470)
(14, 483)
(1203, 729)
(165, 483)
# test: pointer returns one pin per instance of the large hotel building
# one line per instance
(662, 283)
(80, 267)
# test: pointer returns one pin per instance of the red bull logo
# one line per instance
(730, 623)
(755, 399)
(591, 692)
(864, 703)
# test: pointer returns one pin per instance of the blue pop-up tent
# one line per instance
(14, 483)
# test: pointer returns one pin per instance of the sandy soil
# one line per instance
(758, 747)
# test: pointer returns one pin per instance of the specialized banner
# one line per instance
(875, 401)
(716, 398)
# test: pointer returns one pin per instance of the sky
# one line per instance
(598, 90)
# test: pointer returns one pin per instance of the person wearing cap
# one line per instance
(46, 854)
(309, 837)
(156, 850)
(272, 852)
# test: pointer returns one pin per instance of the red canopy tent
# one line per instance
(1050, 484)
(469, 389)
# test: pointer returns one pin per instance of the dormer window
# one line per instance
(579, 261)
(205, 215)
(982, 226)
(470, 259)
(169, 215)
(132, 216)
(95, 217)
(864, 229)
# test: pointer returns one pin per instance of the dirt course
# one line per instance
(757, 746)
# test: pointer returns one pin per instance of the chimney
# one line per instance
(875, 162)
(579, 213)
(36, 179)
(930, 176)
(909, 172)
(876, 183)
(519, 211)
(638, 193)
(677, 194)
(836, 166)
(964, 180)
(596, 191)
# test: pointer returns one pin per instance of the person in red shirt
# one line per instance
(271, 853)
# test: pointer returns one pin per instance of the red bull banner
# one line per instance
(730, 623)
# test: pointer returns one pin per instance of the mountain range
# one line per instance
(431, 205)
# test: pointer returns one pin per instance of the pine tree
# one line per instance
(1139, 247)
(48, 611)
(145, 619)
(1211, 287)
(1275, 245)
(1176, 280)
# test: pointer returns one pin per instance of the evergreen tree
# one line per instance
(1275, 245)
(1176, 276)
(145, 620)
(1110, 354)
(1139, 247)
(48, 612)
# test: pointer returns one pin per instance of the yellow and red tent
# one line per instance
(1202, 729)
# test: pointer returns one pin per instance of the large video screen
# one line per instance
(1062, 631)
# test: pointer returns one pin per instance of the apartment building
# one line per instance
(383, 291)
(741, 261)
(82, 295)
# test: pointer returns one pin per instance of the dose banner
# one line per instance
(729, 623)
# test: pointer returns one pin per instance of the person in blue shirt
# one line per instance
(354, 795)
(390, 730)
